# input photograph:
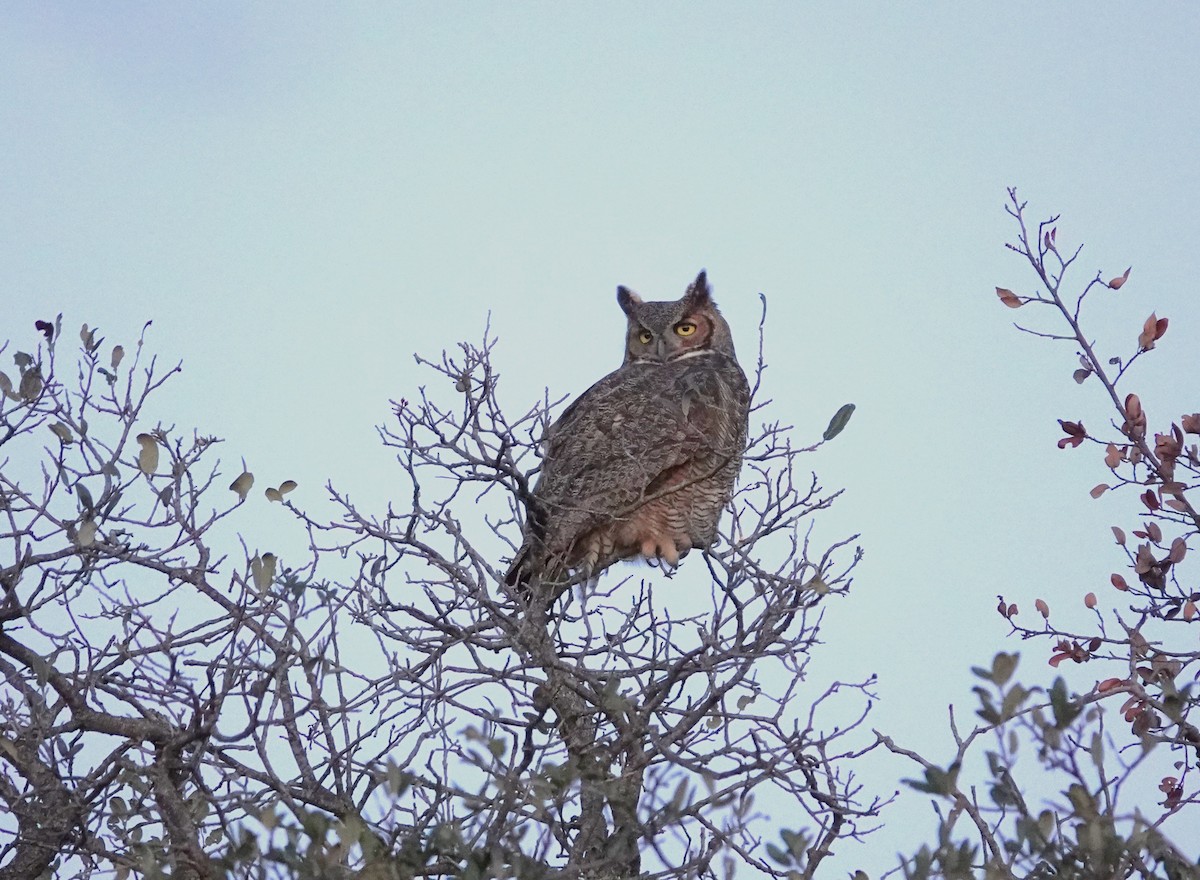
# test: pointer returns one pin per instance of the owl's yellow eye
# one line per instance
(645, 337)
(685, 328)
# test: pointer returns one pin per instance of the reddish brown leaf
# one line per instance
(1144, 560)
(1099, 490)
(1116, 283)
(1119, 582)
(1150, 500)
(1119, 534)
(1090, 600)
(1189, 610)
(1154, 532)
(1191, 423)
(1076, 434)
(1113, 456)
(1109, 684)
(1178, 551)
(1147, 336)
(1135, 423)
(1043, 608)
(1009, 298)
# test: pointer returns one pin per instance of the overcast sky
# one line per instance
(300, 196)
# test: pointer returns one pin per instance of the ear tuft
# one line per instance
(628, 299)
(698, 292)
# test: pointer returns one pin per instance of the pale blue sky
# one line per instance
(302, 195)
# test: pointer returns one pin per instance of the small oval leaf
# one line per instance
(287, 486)
(839, 421)
(242, 485)
(1009, 298)
(86, 536)
(262, 569)
(31, 385)
(148, 457)
(273, 495)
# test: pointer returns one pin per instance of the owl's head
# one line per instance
(664, 331)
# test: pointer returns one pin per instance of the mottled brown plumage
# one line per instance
(644, 461)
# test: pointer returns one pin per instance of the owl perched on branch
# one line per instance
(644, 461)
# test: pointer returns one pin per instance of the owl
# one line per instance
(642, 463)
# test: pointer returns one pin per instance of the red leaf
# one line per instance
(1009, 298)
(1147, 336)
(1150, 500)
(1099, 490)
(1076, 434)
(1119, 582)
(1116, 283)
(1113, 456)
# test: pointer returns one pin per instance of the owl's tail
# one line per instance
(519, 573)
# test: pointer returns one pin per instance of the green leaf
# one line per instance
(86, 536)
(263, 570)
(778, 855)
(148, 457)
(839, 421)
(31, 384)
(797, 844)
(1012, 701)
(1065, 711)
(937, 781)
(242, 485)
(1003, 666)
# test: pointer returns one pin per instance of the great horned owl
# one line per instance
(644, 461)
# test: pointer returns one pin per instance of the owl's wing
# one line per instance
(628, 432)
